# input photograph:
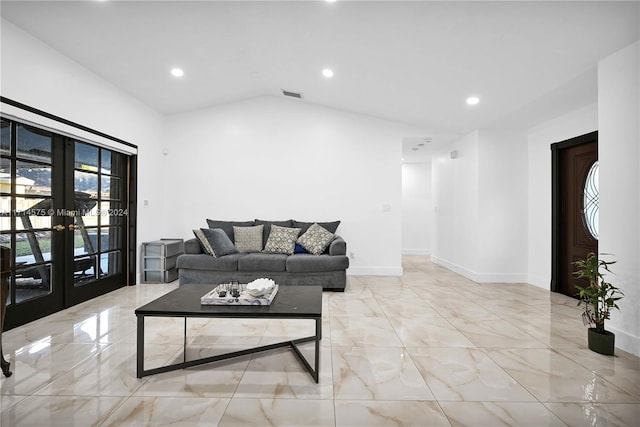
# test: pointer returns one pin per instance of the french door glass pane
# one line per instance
(84, 269)
(111, 238)
(33, 178)
(33, 213)
(33, 144)
(110, 187)
(83, 245)
(32, 247)
(86, 182)
(110, 263)
(5, 138)
(106, 161)
(112, 213)
(5, 209)
(33, 282)
(86, 157)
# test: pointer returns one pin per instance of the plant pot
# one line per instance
(602, 342)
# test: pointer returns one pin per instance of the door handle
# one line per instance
(75, 227)
(58, 227)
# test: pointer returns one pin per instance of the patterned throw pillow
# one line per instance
(206, 246)
(248, 239)
(282, 240)
(316, 239)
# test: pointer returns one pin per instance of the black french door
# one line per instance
(64, 207)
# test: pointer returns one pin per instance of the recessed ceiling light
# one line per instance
(473, 100)
(177, 72)
(327, 72)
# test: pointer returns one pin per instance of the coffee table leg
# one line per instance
(318, 337)
(140, 347)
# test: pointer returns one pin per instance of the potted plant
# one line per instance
(599, 298)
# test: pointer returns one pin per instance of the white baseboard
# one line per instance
(625, 341)
(374, 271)
(423, 252)
(539, 281)
(454, 267)
(481, 277)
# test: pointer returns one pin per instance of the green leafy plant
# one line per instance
(599, 296)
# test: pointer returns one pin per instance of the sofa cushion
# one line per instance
(263, 262)
(331, 226)
(308, 263)
(267, 227)
(316, 239)
(282, 240)
(227, 226)
(219, 241)
(248, 239)
(207, 262)
(204, 242)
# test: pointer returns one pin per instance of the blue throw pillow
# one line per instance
(300, 250)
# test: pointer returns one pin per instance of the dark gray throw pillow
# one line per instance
(227, 226)
(204, 242)
(219, 241)
(331, 226)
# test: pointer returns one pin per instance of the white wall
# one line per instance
(481, 208)
(417, 208)
(275, 159)
(619, 155)
(540, 138)
(36, 75)
(455, 198)
(502, 206)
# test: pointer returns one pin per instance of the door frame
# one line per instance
(556, 202)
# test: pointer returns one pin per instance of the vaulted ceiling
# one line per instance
(409, 61)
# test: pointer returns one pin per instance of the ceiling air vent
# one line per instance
(292, 94)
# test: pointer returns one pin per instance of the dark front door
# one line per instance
(64, 218)
(575, 207)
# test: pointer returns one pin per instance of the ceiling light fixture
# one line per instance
(473, 100)
(327, 72)
(177, 72)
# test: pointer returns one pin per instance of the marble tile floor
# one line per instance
(430, 348)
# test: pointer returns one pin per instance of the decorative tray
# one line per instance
(235, 294)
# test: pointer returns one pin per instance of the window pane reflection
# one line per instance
(33, 144)
(33, 178)
(86, 157)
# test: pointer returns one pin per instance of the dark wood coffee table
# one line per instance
(291, 302)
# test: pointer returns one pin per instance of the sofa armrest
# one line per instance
(338, 246)
(192, 246)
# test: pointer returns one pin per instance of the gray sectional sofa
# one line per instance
(245, 261)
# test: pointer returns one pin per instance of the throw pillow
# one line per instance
(282, 240)
(316, 239)
(227, 226)
(219, 241)
(206, 246)
(248, 239)
(267, 227)
(300, 250)
(331, 226)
